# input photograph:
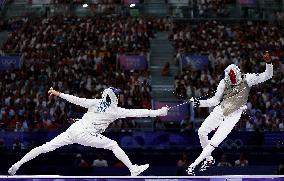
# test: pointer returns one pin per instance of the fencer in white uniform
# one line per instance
(87, 130)
(230, 100)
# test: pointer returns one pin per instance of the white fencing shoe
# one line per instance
(190, 170)
(14, 168)
(136, 170)
(206, 164)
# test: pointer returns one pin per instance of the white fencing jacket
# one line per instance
(101, 113)
(251, 79)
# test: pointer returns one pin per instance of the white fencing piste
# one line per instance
(225, 177)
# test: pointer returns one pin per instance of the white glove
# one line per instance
(163, 111)
(195, 102)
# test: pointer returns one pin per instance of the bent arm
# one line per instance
(123, 113)
(215, 100)
(253, 79)
(86, 103)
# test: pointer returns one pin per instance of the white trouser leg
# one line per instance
(222, 132)
(100, 141)
(210, 123)
(59, 141)
(226, 127)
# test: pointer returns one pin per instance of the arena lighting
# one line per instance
(132, 5)
(85, 5)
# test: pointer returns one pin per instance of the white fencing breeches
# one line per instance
(226, 124)
(212, 122)
(225, 127)
(76, 134)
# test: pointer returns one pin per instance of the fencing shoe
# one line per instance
(190, 170)
(206, 164)
(136, 170)
(14, 168)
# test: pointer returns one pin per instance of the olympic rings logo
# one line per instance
(232, 144)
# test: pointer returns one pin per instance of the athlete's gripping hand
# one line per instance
(267, 57)
(195, 102)
(53, 92)
(163, 111)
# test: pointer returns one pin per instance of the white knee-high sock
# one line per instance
(204, 142)
(205, 153)
(31, 155)
(120, 154)
(209, 158)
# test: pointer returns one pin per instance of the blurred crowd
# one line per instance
(74, 35)
(212, 8)
(85, 1)
(68, 1)
(106, 6)
(241, 44)
(78, 56)
(75, 56)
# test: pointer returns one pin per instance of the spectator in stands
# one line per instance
(182, 164)
(166, 70)
(242, 161)
(100, 162)
(279, 146)
(280, 170)
(183, 161)
(18, 145)
(80, 166)
(223, 162)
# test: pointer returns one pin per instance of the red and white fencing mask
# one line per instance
(233, 74)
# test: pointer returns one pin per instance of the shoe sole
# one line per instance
(191, 173)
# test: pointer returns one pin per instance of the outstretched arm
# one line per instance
(123, 113)
(73, 99)
(253, 79)
(215, 100)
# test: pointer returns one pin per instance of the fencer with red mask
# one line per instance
(230, 101)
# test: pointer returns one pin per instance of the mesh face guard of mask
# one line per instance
(109, 98)
(233, 75)
(111, 94)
